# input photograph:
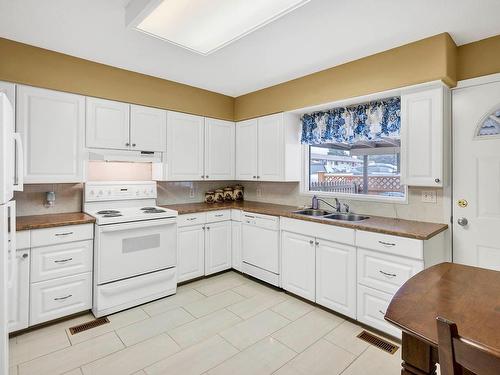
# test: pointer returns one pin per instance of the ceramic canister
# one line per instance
(210, 197)
(219, 196)
(228, 194)
(238, 193)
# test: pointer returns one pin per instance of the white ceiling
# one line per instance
(319, 35)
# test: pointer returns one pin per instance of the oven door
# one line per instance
(129, 249)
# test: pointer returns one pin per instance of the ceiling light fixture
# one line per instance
(204, 26)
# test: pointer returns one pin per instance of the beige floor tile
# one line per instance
(256, 304)
(133, 358)
(37, 345)
(293, 308)
(116, 321)
(139, 373)
(154, 326)
(75, 356)
(252, 288)
(213, 303)
(196, 359)
(345, 336)
(76, 371)
(183, 297)
(265, 357)
(375, 361)
(321, 358)
(248, 332)
(219, 283)
(203, 328)
(308, 329)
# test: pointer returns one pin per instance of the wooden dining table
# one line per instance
(468, 296)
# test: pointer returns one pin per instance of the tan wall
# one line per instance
(35, 66)
(426, 60)
(479, 58)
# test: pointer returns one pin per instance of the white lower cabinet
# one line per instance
(298, 265)
(190, 252)
(18, 291)
(336, 277)
(60, 297)
(217, 247)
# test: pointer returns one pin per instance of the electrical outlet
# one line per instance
(259, 192)
(191, 193)
(429, 196)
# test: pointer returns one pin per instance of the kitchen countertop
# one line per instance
(52, 220)
(398, 227)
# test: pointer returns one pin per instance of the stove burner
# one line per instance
(108, 212)
(154, 211)
(148, 208)
(112, 215)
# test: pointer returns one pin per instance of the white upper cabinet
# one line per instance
(107, 124)
(219, 149)
(268, 148)
(52, 126)
(185, 147)
(246, 150)
(424, 127)
(148, 128)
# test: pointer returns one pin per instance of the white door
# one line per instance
(236, 245)
(219, 149)
(18, 307)
(298, 266)
(422, 125)
(190, 252)
(52, 126)
(107, 124)
(246, 150)
(148, 128)
(476, 175)
(270, 155)
(185, 145)
(336, 277)
(217, 247)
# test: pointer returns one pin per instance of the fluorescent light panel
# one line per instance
(204, 26)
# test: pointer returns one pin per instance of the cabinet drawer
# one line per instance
(191, 219)
(372, 305)
(23, 240)
(214, 216)
(51, 262)
(385, 272)
(57, 235)
(390, 244)
(60, 297)
(319, 230)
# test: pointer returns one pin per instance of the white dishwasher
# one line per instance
(261, 247)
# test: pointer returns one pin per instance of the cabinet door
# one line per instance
(219, 149)
(18, 293)
(422, 127)
(236, 245)
(185, 144)
(298, 264)
(190, 252)
(270, 155)
(51, 124)
(336, 277)
(148, 128)
(217, 247)
(107, 124)
(246, 150)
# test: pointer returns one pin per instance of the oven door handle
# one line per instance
(136, 224)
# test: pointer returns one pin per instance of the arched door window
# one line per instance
(489, 124)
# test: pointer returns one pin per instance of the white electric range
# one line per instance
(135, 245)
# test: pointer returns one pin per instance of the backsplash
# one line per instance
(32, 201)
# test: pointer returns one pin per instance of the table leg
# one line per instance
(419, 358)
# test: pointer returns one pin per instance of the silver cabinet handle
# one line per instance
(208, 228)
(219, 215)
(206, 176)
(133, 144)
(63, 234)
(202, 176)
(203, 228)
(192, 218)
(63, 298)
(63, 260)
(250, 216)
(386, 243)
(127, 144)
(387, 274)
(25, 255)
(316, 243)
(254, 176)
(311, 242)
(437, 180)
(380, 311)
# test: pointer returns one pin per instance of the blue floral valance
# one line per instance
(364, 122)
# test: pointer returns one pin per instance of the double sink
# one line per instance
(322, 214)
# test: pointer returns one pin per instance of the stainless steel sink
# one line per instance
(346, 217)
(312, 212)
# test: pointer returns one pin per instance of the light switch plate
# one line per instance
(429, 196)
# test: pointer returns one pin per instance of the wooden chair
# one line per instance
(458, 356)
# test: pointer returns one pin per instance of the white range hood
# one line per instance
(124, 155)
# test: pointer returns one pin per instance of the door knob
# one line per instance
(463, 221)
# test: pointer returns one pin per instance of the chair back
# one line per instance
(458, 356)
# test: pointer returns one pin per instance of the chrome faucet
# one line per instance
(316, 200)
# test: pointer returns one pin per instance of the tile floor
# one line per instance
(226, 324)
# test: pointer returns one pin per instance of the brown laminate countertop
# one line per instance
(52, 220)
(398, 227)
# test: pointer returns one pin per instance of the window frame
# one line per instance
(304, 187)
